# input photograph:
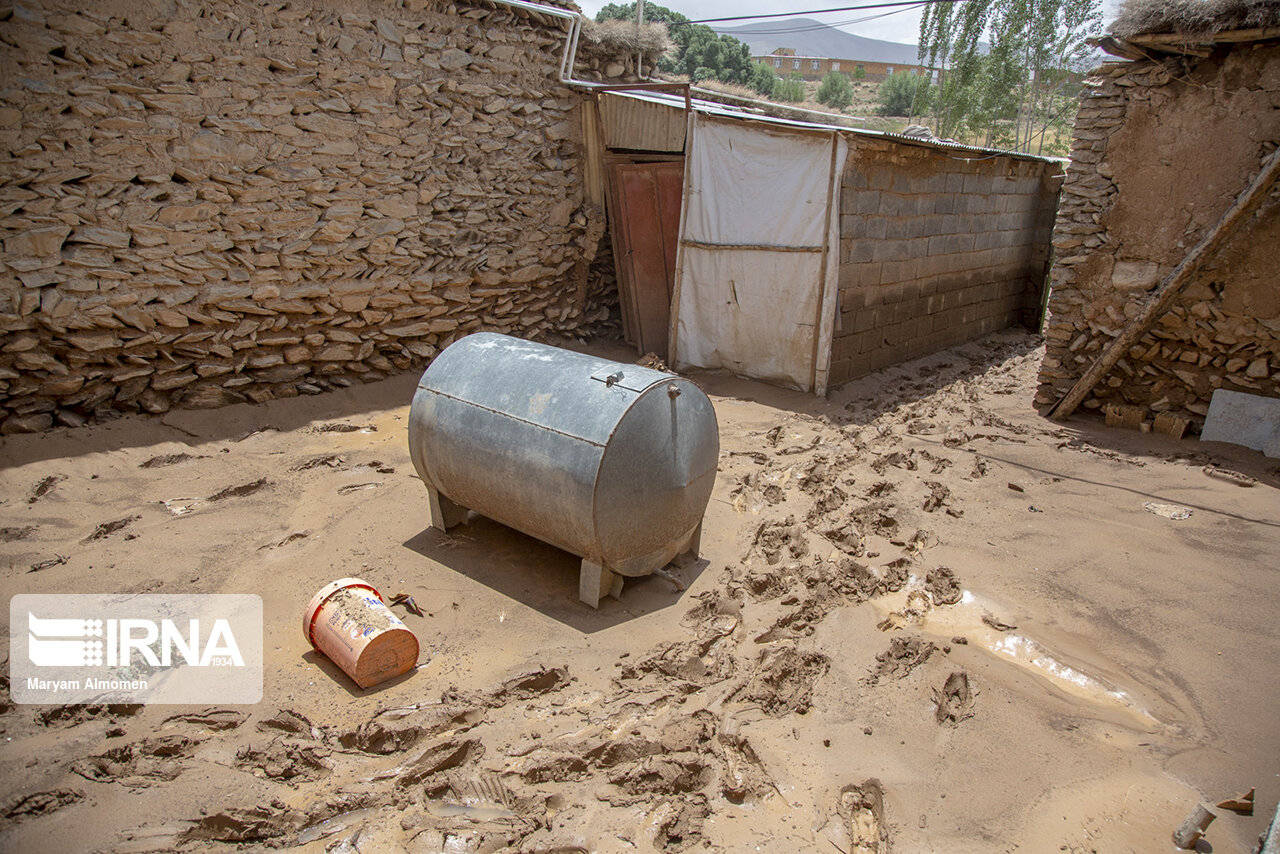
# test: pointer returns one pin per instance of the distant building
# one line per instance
(785, 62)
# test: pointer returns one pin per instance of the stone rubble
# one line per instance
(1136, 119)
(204, 203)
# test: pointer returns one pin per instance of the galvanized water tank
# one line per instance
(612, 462)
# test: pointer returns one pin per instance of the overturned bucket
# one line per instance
(349, 623)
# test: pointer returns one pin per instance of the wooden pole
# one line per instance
(639, 25)
(1162, 297)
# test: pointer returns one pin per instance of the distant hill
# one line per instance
(814, 38)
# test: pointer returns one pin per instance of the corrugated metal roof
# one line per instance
(723, 110)
(642, 125)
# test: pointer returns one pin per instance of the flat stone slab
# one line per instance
(1244, 419)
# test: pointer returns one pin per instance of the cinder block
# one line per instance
(853, 179)
(875, 228)
(944, 204)
(900, 228)
(888, 250)
(955, 182)
(867, 202)
(866, 318)
(879, 178)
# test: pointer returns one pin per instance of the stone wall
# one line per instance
(938, 246)
(1161, 151)
(206, 202)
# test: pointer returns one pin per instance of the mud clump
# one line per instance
(939, 497)
(765, 583)
(168, 460)
(829, 502)
(438, 758)
(858, 580)
(861, 809)
(38, 803)
(773, 538)
(803, 621)
(214, 720)
(673, 774)
(555, 768)
(782, 681)
(681, 828)
(284, 761)
(333, 461)
(742, 777)
(138, 765)
(375, 737)
(903, 656)
(530, 684)
(955, 700)
(943, 586)
(12, 535)
(289, 721)
(106, 529)
(241, 490)
(44, 487)
(257, 824)
(73, 715)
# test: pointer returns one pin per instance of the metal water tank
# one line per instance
(609, 461)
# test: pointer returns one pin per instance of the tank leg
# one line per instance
(595, 582)
(444, 513)
(695, 543)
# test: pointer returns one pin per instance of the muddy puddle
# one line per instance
(1066, 664)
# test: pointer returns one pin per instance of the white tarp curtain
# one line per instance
(758, 260)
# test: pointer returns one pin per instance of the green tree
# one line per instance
(859, 73)
(903, 95)
(764, 80)
(697, 46)
(790, 90)
(835, 91)
(1024, 86)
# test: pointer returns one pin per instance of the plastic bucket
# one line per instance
(349, 623)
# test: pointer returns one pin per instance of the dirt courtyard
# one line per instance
(925, 620)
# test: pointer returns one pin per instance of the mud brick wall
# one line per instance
(1161, 151)
(208, 202)
(937, 246)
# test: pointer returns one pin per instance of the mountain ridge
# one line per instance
(814, 38)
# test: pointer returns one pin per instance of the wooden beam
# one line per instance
(1256, 34)
(1162, 297)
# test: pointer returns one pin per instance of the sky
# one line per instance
(898, 26)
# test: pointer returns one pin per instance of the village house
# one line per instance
(785, 62)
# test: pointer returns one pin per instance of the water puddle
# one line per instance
(337, 824)
(977, 620)
(478, 812)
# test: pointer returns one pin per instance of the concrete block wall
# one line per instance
(937, 247)
(204, 203)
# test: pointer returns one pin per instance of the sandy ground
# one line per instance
(926, 620)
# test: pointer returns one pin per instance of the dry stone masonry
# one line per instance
(207, 202)
(1162, 149)
(938, 246)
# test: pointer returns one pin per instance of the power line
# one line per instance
(815, 11)
(806, 28)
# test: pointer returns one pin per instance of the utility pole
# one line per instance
(639, 24)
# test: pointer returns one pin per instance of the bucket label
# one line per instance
(147, 648)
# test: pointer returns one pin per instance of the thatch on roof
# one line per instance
(620, 38)
(1197, 18)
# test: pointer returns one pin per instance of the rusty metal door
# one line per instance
(648, 232)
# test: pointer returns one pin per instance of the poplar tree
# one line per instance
(1024, 86)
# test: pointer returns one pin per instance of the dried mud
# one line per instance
(816, 684)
